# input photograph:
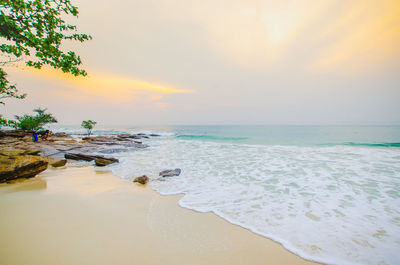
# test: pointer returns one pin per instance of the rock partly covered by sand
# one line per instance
(170, 172)
(15, 164)
(142, 179)
(55, 162)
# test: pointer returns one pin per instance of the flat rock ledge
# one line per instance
(100, 161)
(16, 164)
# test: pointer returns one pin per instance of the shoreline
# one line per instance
(103, 205)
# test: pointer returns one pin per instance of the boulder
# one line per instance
(142, 179)
(101, 162)
(60, 134)
(170, 172)
(18, 164)
(154, 135)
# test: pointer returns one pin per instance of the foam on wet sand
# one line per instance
(81, 216)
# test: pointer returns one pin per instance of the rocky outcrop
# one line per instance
(170, 172)
(15, 164)
(142, 179)
(101, 162)
(15, 133)
(58, 144)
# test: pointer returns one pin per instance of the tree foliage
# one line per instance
(6, 90)
(36, 29)
(29, 122)
(7, 123)
(88, 125)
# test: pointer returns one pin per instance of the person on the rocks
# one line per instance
(35, 137)
(44, 135)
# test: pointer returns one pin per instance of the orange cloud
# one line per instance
(110, 86)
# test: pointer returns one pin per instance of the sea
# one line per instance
(330, 194)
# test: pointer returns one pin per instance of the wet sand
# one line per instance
(78, 216)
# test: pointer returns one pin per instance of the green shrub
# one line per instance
(36, 122)
(88, 125)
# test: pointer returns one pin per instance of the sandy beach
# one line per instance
(77, 215)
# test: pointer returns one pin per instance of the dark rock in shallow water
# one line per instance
(142, 179)
(170, 172)
(101, 162)
(154, 135)
(78, 156)
(129, 136)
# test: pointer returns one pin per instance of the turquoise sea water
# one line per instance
(328, 193)
(295, 135)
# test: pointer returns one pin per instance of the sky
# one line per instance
(217, 62)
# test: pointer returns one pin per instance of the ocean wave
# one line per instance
(210, 137)
(363, 144)
(332, 204)
(374, 144)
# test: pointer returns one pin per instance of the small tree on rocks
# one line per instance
(88, 125)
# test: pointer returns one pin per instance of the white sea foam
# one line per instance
(336, 205)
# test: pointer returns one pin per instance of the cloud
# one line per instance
(366, 35)
(110, 86)
(324, 36)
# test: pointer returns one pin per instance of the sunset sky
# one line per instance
(226, 62)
